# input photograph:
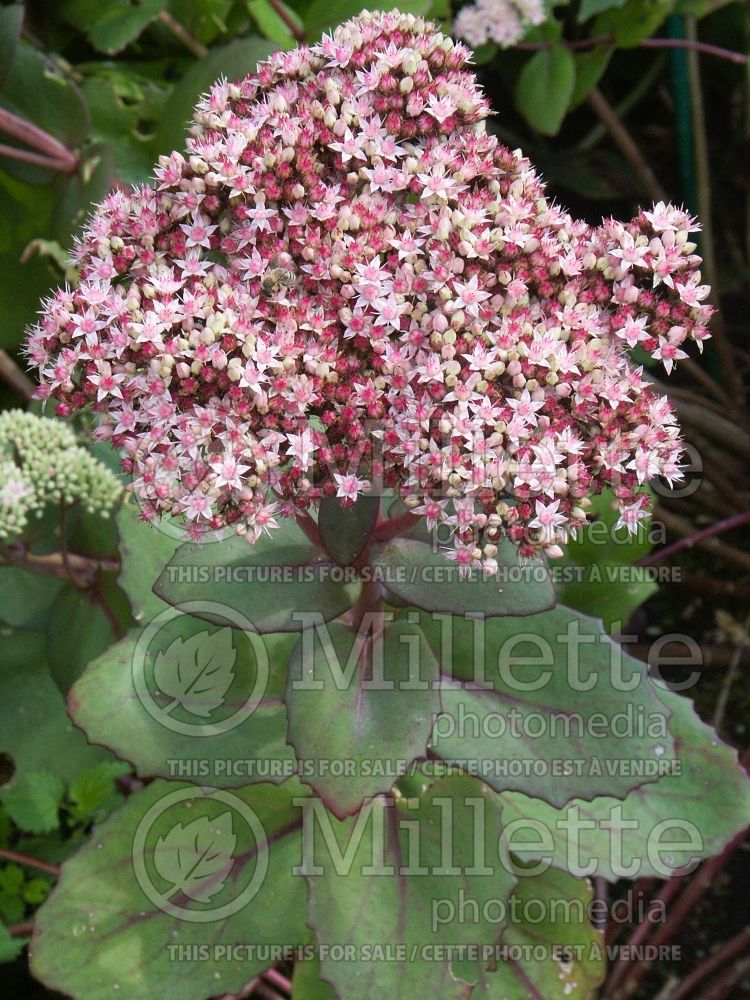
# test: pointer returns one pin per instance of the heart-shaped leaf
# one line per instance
(361, 708)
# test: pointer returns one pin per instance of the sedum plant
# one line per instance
(344, 323)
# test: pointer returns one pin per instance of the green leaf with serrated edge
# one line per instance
(144, 552)
(702, 806)
(10, 947)
(35, 730)
(366, 702)
(197, 672)
(242, 742)
(233, 61)
(135, 938)
(377, 880)
(550, 950)
(32, 801)
(274, 583)
(93, 787)
(545, 87)
(121, 25)
(548, 705)
(416, 573)
(346, 530)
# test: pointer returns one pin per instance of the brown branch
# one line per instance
(297, 32)
(647, 43)
(721, 988)
(181, 33)
(700, 537)
(692, 44)
(22, 930)
(713, 657)
(623, 985)
(721, 345)
(28, 861)
(707, 586)
(13, 376)
(80, 570)
(627, 145)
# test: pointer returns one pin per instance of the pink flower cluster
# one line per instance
(346, 281)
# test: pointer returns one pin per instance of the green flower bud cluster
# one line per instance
(41, 464)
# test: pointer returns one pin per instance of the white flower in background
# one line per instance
(504, 22)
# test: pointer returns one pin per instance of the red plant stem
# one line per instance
(687, 543)
(277, 979)
(688, 43)
(647, 43)
(734, 946)
(180, 32)
(25, 859)
(67, 166)
(620, 968)
(34, 136)
(703, 879)
(246, 990)
(639, 890)
(395, 526)
(721, 987)
(289, 21)
(310, 528)
(22, 930)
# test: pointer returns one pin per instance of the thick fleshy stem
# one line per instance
(395, 526)
(55, 155)
(28, 861)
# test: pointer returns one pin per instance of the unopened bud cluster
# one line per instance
(343, 247)
(42, 465)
